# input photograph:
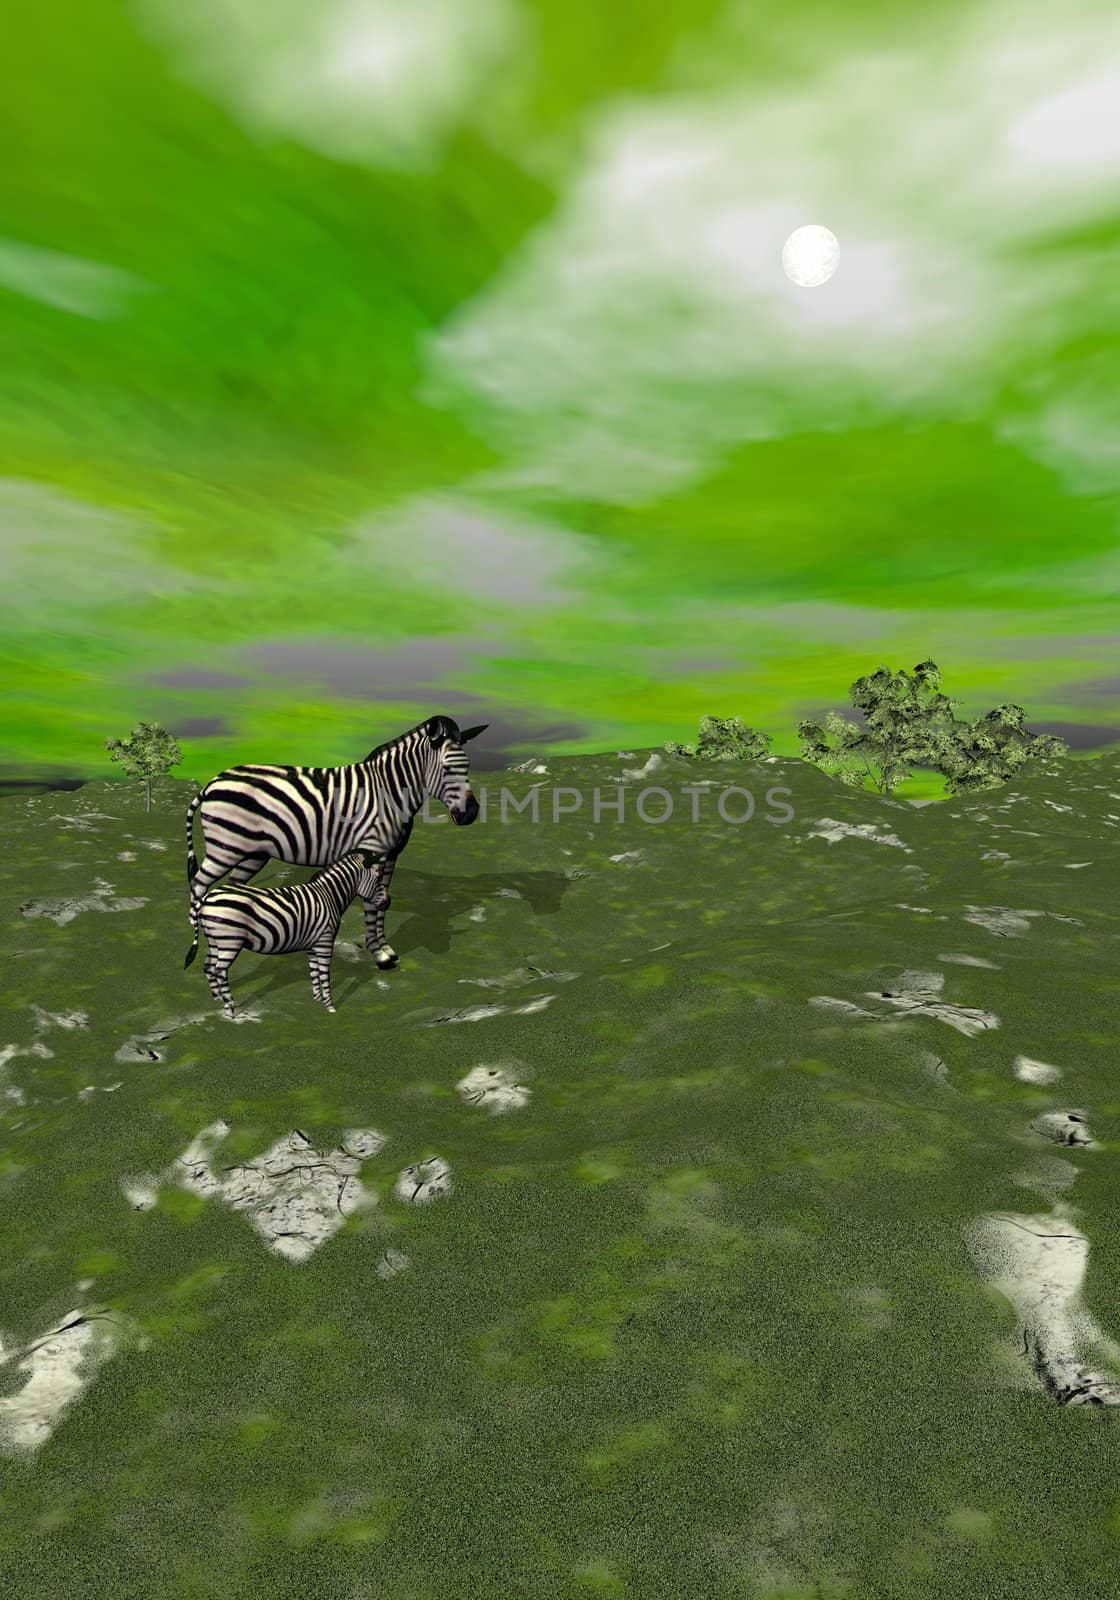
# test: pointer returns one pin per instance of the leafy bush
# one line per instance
(985, 753)
(906, 716)
(910, 723)
(149, 752)
(724, 739)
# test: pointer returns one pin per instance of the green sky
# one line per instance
(378, 357)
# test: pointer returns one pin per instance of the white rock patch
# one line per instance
(12, 1091)
(142, 1046)
(828, 1002)
(470, 1014)
(59, 1019)
(539, 1004)
(83, 821)
(296, 1197)
(1001, 920)
(481, 1013)
(1065, 1127)
(57, 1367)
(62, 910)
(934, 1067)
(141, 1191)
(918, 994)
(969, 961)
(828, 828)
(653, 764)
(1028, 1071)
(519, 976)
(494, 1085)
(392, 1262)
(426, 1181)
(1038, 1263)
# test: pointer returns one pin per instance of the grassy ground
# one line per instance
(698, 1317)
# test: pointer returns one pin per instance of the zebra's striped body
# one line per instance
(315, 815)
(302, 916)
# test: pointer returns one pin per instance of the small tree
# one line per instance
(150, 752)
(907, 719)
(724, 739)
(985, 753)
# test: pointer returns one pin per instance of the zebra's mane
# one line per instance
(447, 726)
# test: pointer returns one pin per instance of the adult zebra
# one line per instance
(314, 815)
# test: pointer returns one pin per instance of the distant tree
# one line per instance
(724, 739)
(906, 723)
(149, 752)
(985, 753)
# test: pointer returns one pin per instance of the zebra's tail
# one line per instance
(192, 859)
(195, 913)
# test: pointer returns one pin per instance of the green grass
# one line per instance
(698, 1319)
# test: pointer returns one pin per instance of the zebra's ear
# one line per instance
(367, 858)
(436, 731)
(473, 733)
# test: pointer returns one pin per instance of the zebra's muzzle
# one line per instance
(467, 813)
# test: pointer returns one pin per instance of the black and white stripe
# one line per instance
(315, 815)
(300, 916)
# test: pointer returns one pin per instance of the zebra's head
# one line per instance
(369, 866)
(447, 772)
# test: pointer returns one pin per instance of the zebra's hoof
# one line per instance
(386, 959)
(330, 1008)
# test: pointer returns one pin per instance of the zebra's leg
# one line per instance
(319, 959)
(374, 910)
(219, 959)
(214, 866)
(246, 868)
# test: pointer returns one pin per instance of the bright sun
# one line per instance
(810, 255)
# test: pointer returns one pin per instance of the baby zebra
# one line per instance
(303, 916)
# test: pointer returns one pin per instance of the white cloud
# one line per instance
(57, 551)
(379, 81)
(462, 545)
(1074, 133)
(1075, 433)
(659, 276)
(69, 283)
